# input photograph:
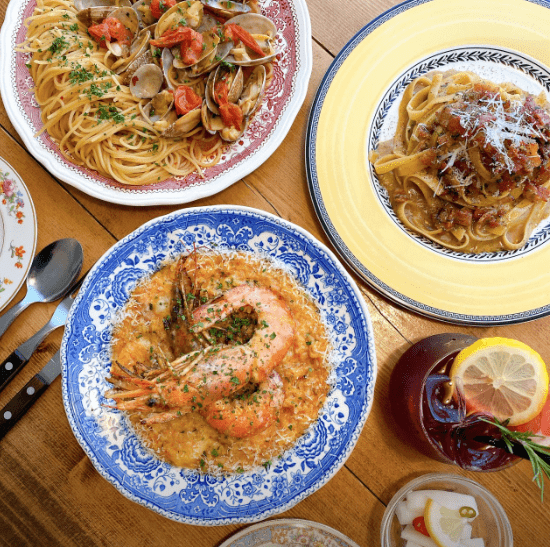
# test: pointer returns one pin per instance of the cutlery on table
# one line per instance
(24, 399)
(20, 356)
(52, 273)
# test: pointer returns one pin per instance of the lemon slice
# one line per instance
(502, 377)
(444, 525)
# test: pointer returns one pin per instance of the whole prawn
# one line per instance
(209, 380)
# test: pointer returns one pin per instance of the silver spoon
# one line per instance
(52, 273)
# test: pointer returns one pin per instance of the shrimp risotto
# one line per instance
(221, 361)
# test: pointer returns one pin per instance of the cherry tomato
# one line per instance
(235, 33)
(158, 7)
(232, 115)
(420, 526)
(109, 30)
(185, 100)
(190, 43)
(118, 31)
(221, 92)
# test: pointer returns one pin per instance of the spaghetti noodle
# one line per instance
(469, 166)
(89, 106)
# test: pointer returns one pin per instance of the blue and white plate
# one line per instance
(105, 434)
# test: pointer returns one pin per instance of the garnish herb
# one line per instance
(533, 449)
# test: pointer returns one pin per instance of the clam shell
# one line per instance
(230, 134)
(263, 31)
(211, 122)
(160, 108)
(93, 15)
(143, 11)
(85, 4)
(128, 17)
(253, 92)
(146, 81)
(183, 125)
(235, 83)
(227, 8)
(139, 54)
(186, 13)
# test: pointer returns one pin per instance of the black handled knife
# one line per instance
(20, 357)
(23, 400)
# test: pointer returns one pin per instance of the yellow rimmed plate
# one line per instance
(504, 40)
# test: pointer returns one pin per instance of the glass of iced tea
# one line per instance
(432, 412)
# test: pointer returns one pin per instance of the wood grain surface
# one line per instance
(50, 494)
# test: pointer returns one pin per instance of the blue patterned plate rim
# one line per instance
(104, 434)
(319, 206)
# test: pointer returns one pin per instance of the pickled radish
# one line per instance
(447, 517)
(416, 501)
(405, 515)
(466, 532)
(410, 534)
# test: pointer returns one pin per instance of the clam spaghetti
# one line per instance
(145, 92)
(469, 166)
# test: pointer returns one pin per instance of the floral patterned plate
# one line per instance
(271, 123)
(289, 533)
(17, 232)
(104, 433)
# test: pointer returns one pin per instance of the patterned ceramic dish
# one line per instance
(289, 533)
(356, 108)
(104, 433)
(270, 125)
(17, 232)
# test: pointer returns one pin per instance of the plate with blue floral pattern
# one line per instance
(105, 434)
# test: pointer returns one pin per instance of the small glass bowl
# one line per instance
(492, 524)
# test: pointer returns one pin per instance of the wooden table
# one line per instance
(50, 494)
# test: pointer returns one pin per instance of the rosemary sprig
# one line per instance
(533, 449)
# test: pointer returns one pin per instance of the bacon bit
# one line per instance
(536, 193)
(506, 183)
(430, 157)
(135, 80)
(158, 7)
(443, 139)
(185, 100)
(543, 175)
(451, 215)
(400, 197)
(423, 131)
(489, 215)
(455, 127)
(235, 33)
(464, 217)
